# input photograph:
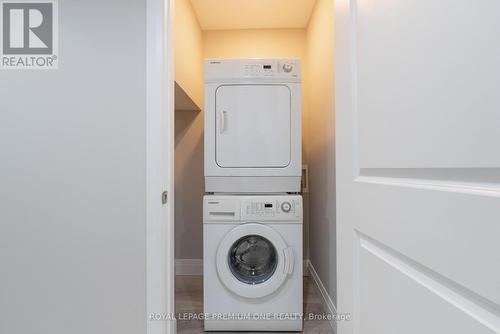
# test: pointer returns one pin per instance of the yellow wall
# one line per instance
(189, 182)
(320, 140)
(188, 54)
(253, 43)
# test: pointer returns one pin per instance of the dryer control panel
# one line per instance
(273, 68)
(287, 70)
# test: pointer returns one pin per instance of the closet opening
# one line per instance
(274, 36)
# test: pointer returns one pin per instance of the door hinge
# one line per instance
(164, 197)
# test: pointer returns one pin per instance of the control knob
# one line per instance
(287, 67)
(286, 207)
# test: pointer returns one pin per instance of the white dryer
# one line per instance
(252, 263)
(252, 125)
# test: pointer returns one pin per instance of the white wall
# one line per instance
(72, 175)
(319, 86)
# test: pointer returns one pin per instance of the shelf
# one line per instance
(182, 100)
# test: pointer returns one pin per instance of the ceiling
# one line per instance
(252, 14)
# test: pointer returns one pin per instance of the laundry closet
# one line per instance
(270, 35)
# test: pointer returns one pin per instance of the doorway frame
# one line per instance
(160, 261)
(160, 236)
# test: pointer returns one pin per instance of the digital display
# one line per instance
(268, 205)
(267, 67)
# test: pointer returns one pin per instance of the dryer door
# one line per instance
(253, 260)
(253, 126)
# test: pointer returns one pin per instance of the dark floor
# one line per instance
(189, 298)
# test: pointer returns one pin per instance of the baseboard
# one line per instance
(194, 267)
(189, 267)
(305, 268)
(326, 299)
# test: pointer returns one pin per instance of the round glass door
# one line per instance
(252, 259)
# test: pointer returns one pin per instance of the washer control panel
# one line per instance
(272, 208)
(286, 206)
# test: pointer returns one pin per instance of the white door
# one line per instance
(418, 166)
(253, 126)
(160, 275)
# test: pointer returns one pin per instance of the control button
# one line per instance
(286, 206)
(287, 67)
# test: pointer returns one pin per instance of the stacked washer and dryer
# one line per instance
(252, 215)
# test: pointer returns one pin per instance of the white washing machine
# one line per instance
(252, 126)
(252, 263)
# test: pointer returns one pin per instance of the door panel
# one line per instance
(427, 67)
(253, 126)
(418, 166)
(440, 308)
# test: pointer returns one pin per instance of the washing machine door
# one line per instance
(253, 260)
